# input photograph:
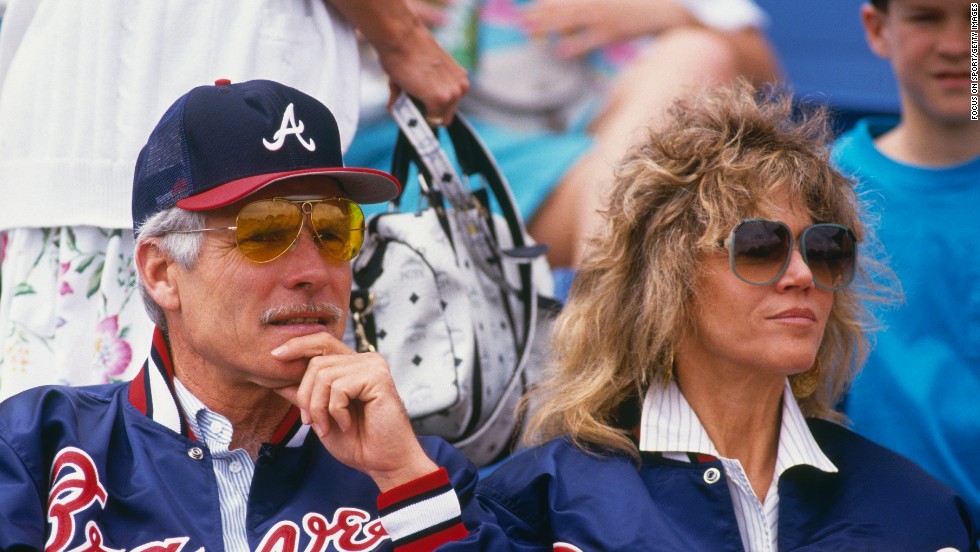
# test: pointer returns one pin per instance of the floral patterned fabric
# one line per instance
(70, 312)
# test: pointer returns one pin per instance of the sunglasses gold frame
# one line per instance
(306, 206)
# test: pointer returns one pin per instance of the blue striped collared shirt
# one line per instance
(233, 469)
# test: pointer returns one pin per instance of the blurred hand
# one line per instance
(409, 53)
(438, 110)
(581, 26)
(351, 403)
(428, 73)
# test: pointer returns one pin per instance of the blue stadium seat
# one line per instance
(826, 59)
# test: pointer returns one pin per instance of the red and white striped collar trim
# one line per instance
(152, 393)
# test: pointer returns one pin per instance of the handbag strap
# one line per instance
(418, 143)
(427, 152)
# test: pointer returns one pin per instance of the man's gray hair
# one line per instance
(182, 248)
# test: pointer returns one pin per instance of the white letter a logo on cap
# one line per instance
(288, 127)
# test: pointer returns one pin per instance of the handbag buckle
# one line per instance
(361, 308)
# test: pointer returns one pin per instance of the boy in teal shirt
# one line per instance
(919, 393)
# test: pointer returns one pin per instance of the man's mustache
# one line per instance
(328, 312)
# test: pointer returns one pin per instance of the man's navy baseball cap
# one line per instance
(218, 144)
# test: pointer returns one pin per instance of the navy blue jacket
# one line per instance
(878, 500)
(116, 467)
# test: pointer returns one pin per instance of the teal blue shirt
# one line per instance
(919, 393)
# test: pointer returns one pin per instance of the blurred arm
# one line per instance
(409, 54)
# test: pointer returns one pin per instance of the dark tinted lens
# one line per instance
(830, 252)
(759, 250)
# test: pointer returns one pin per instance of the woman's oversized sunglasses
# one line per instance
(267, 228)
(759, 252)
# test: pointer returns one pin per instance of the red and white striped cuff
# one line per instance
(422, 514)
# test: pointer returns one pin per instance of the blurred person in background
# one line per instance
(81, 85)
(561, 88)
(921, 172)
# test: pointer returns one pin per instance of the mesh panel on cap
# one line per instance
(164, 173)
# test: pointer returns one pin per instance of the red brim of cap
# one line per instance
(359, 185)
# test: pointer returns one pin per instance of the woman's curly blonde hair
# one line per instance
(722, 156)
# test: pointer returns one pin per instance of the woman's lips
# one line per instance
(797, 315)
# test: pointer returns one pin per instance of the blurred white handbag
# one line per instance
(451, 294)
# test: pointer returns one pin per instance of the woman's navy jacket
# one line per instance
(878, 500)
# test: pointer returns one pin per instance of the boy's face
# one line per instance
(928, 43)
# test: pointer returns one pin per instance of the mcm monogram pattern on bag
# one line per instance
(427, 309)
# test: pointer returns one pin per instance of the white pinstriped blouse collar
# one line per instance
(669, 425)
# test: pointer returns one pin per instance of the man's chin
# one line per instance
(281, 374)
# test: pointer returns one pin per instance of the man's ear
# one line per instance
(156, 274)
(874, 30)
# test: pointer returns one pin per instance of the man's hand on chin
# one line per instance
(351, 402)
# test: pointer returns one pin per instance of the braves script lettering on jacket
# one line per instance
(117, 466)
(76, 487)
